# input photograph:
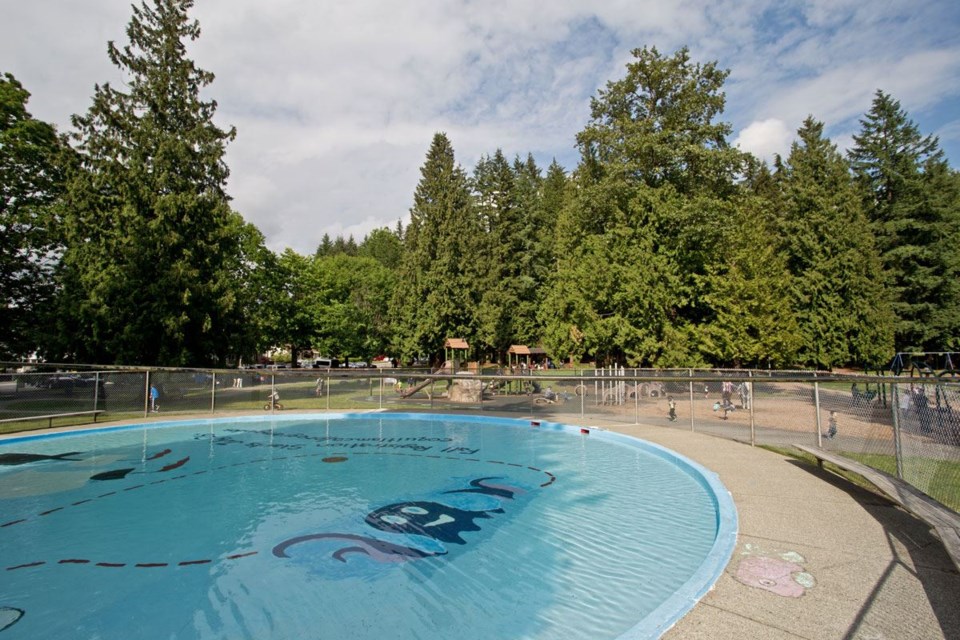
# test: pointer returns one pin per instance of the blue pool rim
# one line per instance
(657, 622)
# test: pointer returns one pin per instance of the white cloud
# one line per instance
(766, 138)
(336, 103)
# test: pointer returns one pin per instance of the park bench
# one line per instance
(944, 520)
(52, 416)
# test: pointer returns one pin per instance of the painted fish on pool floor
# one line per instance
(420, 526)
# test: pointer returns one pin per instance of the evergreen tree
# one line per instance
(839, 291)
(325, 248)
(537, 228)
(647, 207)
(911, 199)
(32, 167)
(437, 286)
(747, 290)
(150, 235)
(503, 282)
(382, 245)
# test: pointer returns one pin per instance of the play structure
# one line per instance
(455, 351)
(932, 369)
(446, 367)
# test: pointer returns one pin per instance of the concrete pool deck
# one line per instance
(816, 556)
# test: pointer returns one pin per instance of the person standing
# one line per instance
(672, 404)
(154, 396)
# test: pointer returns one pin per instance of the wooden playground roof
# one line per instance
(524, 350)
(455, 343)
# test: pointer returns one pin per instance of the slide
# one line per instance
(406, 393)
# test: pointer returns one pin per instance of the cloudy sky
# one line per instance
(335, 102)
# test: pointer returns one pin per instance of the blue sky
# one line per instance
(336, 102)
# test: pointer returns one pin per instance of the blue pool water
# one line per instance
(354, 526)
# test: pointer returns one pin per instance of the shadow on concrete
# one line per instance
(915, 550)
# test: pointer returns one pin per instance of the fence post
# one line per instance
(582, 396)
(750, 403)
(146, 395)
(381, 391)
(636, 399)
(213, 393)
(816, 405)
(691, 401)
(328, 393)
(273, 391)
(96, 392)
(897, 445)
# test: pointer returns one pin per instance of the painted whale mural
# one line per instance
(417, 528)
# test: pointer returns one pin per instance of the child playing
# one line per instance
(832, 425)
(673, 409)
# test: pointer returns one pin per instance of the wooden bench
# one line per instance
(944, 520)
(50, 417)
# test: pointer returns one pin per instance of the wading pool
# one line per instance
(354, 526)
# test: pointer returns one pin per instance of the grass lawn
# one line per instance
(944, 483)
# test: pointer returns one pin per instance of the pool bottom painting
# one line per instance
(360, 527)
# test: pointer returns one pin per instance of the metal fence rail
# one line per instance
(909, 427)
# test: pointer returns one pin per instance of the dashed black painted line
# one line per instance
(138, 565)
(302, 455)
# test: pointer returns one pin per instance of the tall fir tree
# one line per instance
(647, 205)
(746, 289)
(150, 235)
(911, 200)
(839, 288)
(437, 290)
(504, 283)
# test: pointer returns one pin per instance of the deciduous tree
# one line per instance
(32, 173)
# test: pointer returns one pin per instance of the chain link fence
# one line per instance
(908, 427)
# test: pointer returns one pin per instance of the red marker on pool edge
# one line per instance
(587, 431)
(534, 423)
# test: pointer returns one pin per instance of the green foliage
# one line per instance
(746, 288)
(150, 238)
(350, 302)
(666, 247)
(437, 290)
(384, 246)
(32, 166)
(913, 203)
(645, 215)
(838, 289)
